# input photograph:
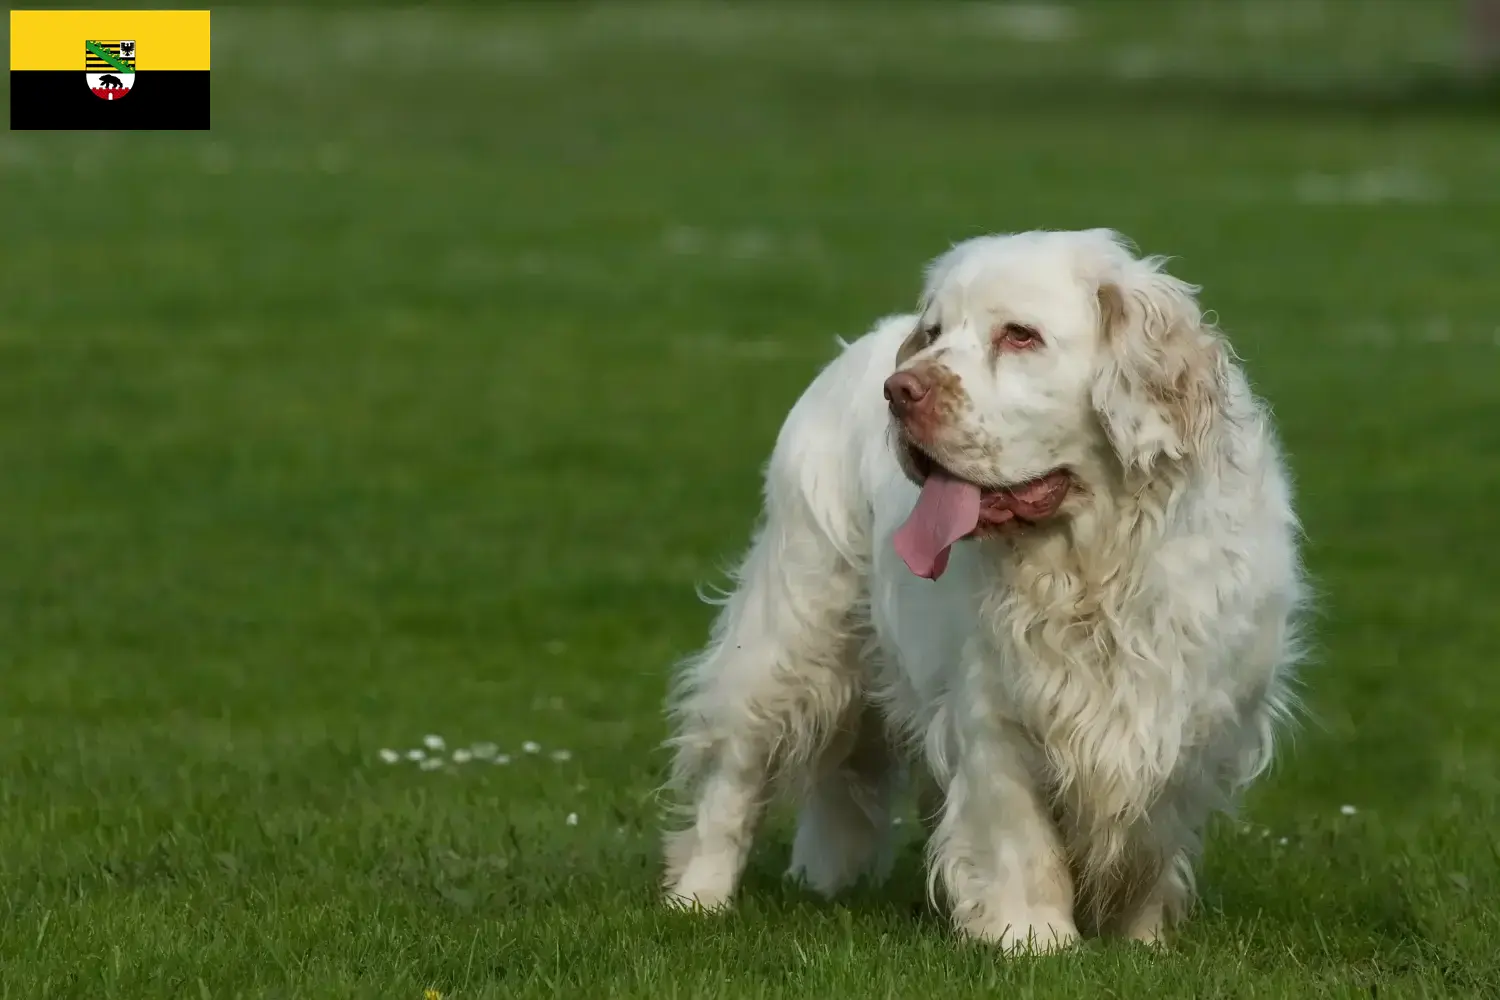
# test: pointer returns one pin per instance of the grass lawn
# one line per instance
(418, 396)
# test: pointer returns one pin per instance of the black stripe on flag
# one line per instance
(61, 99)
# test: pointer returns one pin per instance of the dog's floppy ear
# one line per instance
(1161, 389)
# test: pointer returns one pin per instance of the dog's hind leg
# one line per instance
(782, 669)
(844, 831)
(766, 695)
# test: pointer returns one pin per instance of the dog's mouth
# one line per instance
(951, 508)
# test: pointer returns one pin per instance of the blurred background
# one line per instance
(417, 397)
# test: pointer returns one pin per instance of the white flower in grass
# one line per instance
(572, 819)
(434, 742)
(415, 754)
(562, 755)
(502, 758)
(431, 764)
(531, 747)
(462, 756)
(389, 756)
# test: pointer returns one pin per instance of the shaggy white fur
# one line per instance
(1078, 692)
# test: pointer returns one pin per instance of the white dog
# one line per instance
(1088, 648)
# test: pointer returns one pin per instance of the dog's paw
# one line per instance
(702, 887)
(1148, 928)
(1028, 934)
(829, 876)
(680, 898)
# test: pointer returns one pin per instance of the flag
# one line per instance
(109, 69)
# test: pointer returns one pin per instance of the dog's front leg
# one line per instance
(996, 851)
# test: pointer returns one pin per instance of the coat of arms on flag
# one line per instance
(110, 68)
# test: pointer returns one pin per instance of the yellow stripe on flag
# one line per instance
(164, 39)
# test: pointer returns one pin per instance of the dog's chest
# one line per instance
(1106, 699)
(1101, 688)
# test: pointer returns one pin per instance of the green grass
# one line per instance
(420, 393)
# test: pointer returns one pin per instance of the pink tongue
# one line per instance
(947, 510)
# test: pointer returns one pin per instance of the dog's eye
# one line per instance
(932, 333)
(1017, 337)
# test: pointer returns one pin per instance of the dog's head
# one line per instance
(1041, 361)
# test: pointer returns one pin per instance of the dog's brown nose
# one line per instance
(905, 391)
